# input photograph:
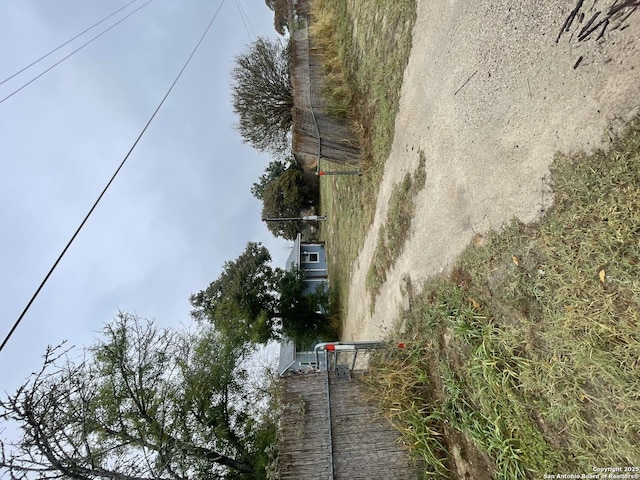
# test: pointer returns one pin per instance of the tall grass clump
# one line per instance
(405, 391)
(338, 89)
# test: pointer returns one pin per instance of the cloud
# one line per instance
(181, 205)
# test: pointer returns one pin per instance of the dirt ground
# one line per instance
(490, 96)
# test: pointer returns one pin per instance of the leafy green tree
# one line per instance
(142, 403)
(285, 196)
(263, 96)
(251, 302)
(241, 302)
(273, 171)
(303, 313)
(280, 10)
(281, 20)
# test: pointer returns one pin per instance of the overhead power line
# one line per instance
(245, 20)
(75, 51)
(66, 43)
(113, 177)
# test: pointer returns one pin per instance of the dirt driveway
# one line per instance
(489, 96)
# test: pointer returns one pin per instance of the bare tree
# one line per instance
(262, 96)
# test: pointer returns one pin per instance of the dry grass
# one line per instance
(373, 65)
(531, 347)
(323, 30)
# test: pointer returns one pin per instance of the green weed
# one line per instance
(396, 229)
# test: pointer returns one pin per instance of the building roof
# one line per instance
(294, 257)
(287, 355)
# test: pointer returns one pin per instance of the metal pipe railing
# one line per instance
(330, 427)
(347, 346)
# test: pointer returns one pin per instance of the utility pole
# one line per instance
(322, 173)
(312, 218)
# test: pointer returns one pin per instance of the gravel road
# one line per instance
(490, 96)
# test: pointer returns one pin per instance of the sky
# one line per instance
(180, 207)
